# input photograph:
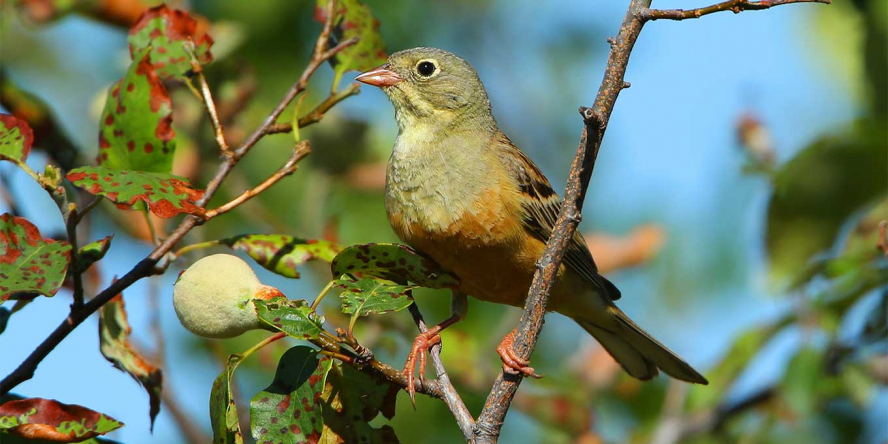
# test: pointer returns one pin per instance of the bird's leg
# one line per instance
(459, 306)
(512, 363)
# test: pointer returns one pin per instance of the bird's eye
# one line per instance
(425, 68)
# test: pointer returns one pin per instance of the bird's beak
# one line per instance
(381, 76)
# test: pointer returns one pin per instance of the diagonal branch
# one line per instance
(736, 6)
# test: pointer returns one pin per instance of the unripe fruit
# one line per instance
(214, 297)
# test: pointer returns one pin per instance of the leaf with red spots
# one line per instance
(135, 131)
(393, 262)
(281, 253)
(29, 263)
(173, 37)
(223, 409)
(293, 317)
(114, 332)
(353, 19)
(368, 296)
(16, 138)
(165, 194)
(291, 408)
(352, 400)
(46, 419)
(93, 252)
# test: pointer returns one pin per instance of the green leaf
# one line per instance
(29, 263)
(393, 262)
(804, 381)
(352, 400)
(16, 138)
(818, 190)
(291, 409)
(293, 317)
(165, 194)
(368, 296)
(353, 19)
(114, 332)
(223, 410)
(173, 38)
(93, 252)
(280, 253)
(40, 418)
(135, 131)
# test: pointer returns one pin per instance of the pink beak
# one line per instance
(380, 76)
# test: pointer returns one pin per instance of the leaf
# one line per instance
(290, 409)
(93, 252)
(29, 263)
(223, 410)
(114, 332)
(38, 418)
(135, 131)
(368, 296)
(293, 317)
(804, 381)
(393, 262)
(280, 253)
(165, 194)
(16, 138)
(818, 190)
(353, 19)
(353, 399)
(173, 37)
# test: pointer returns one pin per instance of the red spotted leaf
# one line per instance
(352, 400)
(173, 37)
(393, 262)
(135, 131)
(114, 332)
(16, 138)
(281, 253)
(353, 19)
(165, 194)
(291, 408)
(29, 263)
(368, 296)
(293, 317)
(46, 419)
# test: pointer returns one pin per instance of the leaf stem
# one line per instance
(314, 304)
(192, 247)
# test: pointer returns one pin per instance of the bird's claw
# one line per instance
(419, 352)
(512, 363)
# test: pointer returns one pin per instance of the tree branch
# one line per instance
(736, 6)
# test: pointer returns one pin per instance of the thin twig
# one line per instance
(317, 114)
(74, 266)
(735, 6)
(207, 99)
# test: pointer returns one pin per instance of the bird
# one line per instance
(460, 192)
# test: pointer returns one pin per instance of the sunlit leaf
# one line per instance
(93, 252)
(282, 254)
(16, 138)
(28, 262)
(353, 19)
(37, 418)
(114, 332)
(223, 410)
(135, 130)
(368, 296)
(173, 37)
(352, 400)
(165, 194)
(291, 409)
(393, 262)
(293, 317)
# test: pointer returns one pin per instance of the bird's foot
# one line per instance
(512, 363)
(419, 352)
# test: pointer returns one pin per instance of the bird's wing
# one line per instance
(541, 207)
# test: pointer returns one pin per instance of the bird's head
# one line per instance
(431, 85)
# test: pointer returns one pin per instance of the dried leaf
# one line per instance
(114, 332)
(368, 296)
(393, 262)
(353, 399)
(16, 138)
(290, 409)
(93, 252)
(135, 131)
(353, 19)
(38, 418)
(280, 253)
(293, 317)
(29, 263)
(173, 38)
(165, 194)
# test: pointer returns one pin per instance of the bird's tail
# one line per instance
(638, 353)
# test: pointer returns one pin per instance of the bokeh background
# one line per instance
(734, 203)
